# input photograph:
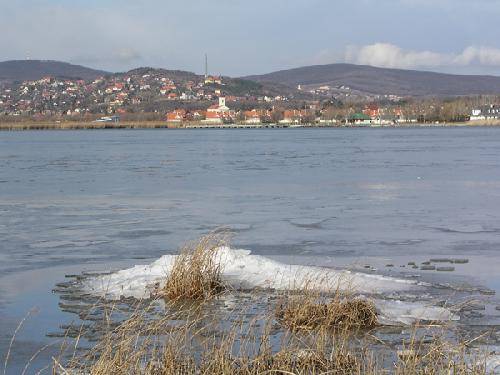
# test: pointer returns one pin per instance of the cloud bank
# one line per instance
(388, 55)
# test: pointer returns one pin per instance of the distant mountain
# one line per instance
(29, 70)
(372, 80)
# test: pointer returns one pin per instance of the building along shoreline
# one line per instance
(70, 125)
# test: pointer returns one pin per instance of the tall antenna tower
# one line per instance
(206, 65)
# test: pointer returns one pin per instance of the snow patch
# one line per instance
(243, 270)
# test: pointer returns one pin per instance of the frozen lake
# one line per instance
(72, 201)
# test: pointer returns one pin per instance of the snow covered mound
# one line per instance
(243, 270)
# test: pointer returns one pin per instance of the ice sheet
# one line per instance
(243, 270)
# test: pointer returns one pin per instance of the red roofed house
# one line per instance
(372, 110)
(252, 117)
(256, 116)
(213, 117)
(118, 86)
(177, 115)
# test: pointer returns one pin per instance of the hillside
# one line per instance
(141, 90)
(29, 70)
(372, 80)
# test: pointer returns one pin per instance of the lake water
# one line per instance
(72, 201)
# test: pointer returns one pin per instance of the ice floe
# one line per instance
(243, 270)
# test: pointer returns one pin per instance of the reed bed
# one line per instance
(204, 345)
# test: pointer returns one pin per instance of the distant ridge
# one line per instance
(372, 80)
(359, 78)
(26, 70)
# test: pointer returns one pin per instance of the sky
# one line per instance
(243, 37)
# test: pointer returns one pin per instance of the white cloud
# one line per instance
(487, 56)
(391, 56)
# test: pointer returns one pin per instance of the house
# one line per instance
(170, 87)
(213, 118)
(210, 80)
(326, 120)
(115, 119)
(372, 111)
(198, 115)
(360, 119)
(177, 115)
(117, 87)
(254, 116)
(488, 112)
(292, 116)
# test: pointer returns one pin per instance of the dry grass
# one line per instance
(187, 351)
(336, 310)
(139, 346)
(309, 333)
(438, 357)
(306, 313)
(286, 361)
(196, 273)
(142, 346)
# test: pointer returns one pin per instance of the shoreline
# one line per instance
(76, 125)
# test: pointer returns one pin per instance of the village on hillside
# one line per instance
(189, 100)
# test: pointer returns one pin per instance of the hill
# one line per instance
(231, 86)
(382, 81)
(30, 70)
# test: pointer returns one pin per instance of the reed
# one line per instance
(203, 345)
(196, 273)
(308, 312)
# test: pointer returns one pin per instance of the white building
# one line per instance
(489, 112)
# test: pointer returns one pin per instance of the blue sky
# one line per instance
(255, 36)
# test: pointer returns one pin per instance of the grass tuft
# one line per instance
(196, 273)
(308, 312)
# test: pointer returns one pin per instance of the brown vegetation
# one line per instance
(139, 346)
(307, 313)
(309, 333)
(77, 125)
(196, 273)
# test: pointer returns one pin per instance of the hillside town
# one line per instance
(182, 99)
(140, 90)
